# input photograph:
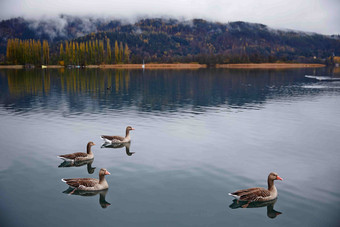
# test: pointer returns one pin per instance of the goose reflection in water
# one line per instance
(119, 145)
(271, 213)
(102, 194)
(90, 169)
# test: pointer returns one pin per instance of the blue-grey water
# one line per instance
(199, 135)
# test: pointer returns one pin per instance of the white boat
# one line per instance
(323, 78)
(143, 66)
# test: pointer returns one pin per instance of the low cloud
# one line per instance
(320, 16)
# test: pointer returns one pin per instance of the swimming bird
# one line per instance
(88, 184)
(79, 156)
(258, 194)
(118, 139)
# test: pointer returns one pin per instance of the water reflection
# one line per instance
(88, 90)
(119, 145)
(102, 194)
(271, 213)
(90, 169)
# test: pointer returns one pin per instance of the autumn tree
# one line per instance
(126, 54)
(73, 53)
(101, 52)
(61, 52)
(46, 53)
(67, 53)
(108, 51)
(117, 57)
(121, 52)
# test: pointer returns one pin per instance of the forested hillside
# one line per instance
(169, 40)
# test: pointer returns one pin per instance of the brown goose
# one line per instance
(258, 194)
(79, 156)
(89, 184)
(118, 139)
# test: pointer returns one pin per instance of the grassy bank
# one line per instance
(21, 67)
(269, 66)
(11, 66)
(150, 66)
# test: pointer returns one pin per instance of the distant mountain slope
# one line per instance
(56, 29)
(169, 40)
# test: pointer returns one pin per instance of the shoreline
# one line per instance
(150, 66)
(186, 66)
(269, 65)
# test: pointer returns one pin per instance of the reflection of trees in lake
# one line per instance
(91, 81)
(163, 90)
(33, 82)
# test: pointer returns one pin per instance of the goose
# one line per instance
(79, 156)
(118, 139)
(88, 184)
(258, 194)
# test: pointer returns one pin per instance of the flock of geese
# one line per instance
(243, 197)
(91, 184)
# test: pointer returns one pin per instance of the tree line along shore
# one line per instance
(98, 54)
(68, 53)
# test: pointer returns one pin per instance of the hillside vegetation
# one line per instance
(169, 40)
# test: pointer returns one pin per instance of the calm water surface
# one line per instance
(199, 135)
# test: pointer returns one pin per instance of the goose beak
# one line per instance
(107, 173)
(278, 178)
(132, 129)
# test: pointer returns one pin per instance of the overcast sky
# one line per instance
(321, 16)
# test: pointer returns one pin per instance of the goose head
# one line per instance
(103, 172)
(90, 144)
(274, 176)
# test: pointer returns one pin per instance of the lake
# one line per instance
(199, 134)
